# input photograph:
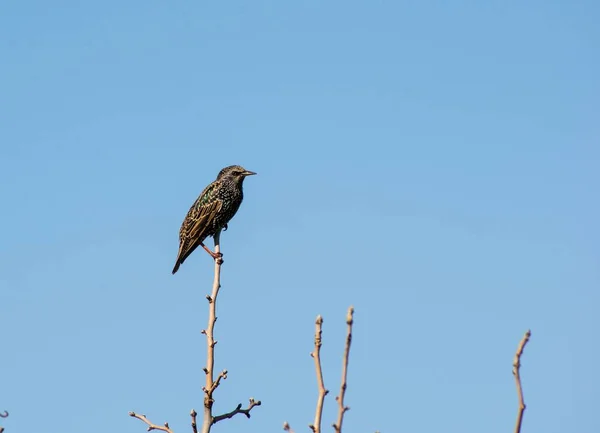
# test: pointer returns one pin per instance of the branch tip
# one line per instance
(193, 414)
(342, 409)
(516, 372)
(350, 316)
(316, 355)
(238, 409)
(150, 425)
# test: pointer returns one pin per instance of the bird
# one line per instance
(212, 210)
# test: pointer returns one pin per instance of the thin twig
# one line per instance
(151, 426)
(316, 354)
(193, 414)
(287, 427)
(237, 410)
(516, 372)
(340, 398)
(210, 386)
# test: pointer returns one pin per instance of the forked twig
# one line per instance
(340, 398)
(316, 354)
(237, 410)
(151, 426)
(516, 372)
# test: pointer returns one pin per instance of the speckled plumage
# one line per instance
(211, 211)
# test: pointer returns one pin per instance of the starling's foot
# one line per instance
(218, 258)
(225, 228)
(213, 255)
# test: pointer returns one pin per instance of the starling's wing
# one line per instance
(198, 222)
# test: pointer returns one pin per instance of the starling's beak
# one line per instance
(248, 173)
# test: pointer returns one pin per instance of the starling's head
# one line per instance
(237, 173)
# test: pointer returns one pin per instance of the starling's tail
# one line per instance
(179, 260)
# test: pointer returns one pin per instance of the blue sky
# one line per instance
(434, 164)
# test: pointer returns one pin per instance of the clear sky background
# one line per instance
(434, 164)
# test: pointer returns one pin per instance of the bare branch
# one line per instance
(516, 372)
(151, 426)
(340, 398)
(316, 354)
(287, 427)
(237, 410)
(222, 375)
(210, 386)
(211, 383)
(193, 414)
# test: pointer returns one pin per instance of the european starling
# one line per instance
(211, 212)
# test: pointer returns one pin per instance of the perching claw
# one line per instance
(212, 254)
